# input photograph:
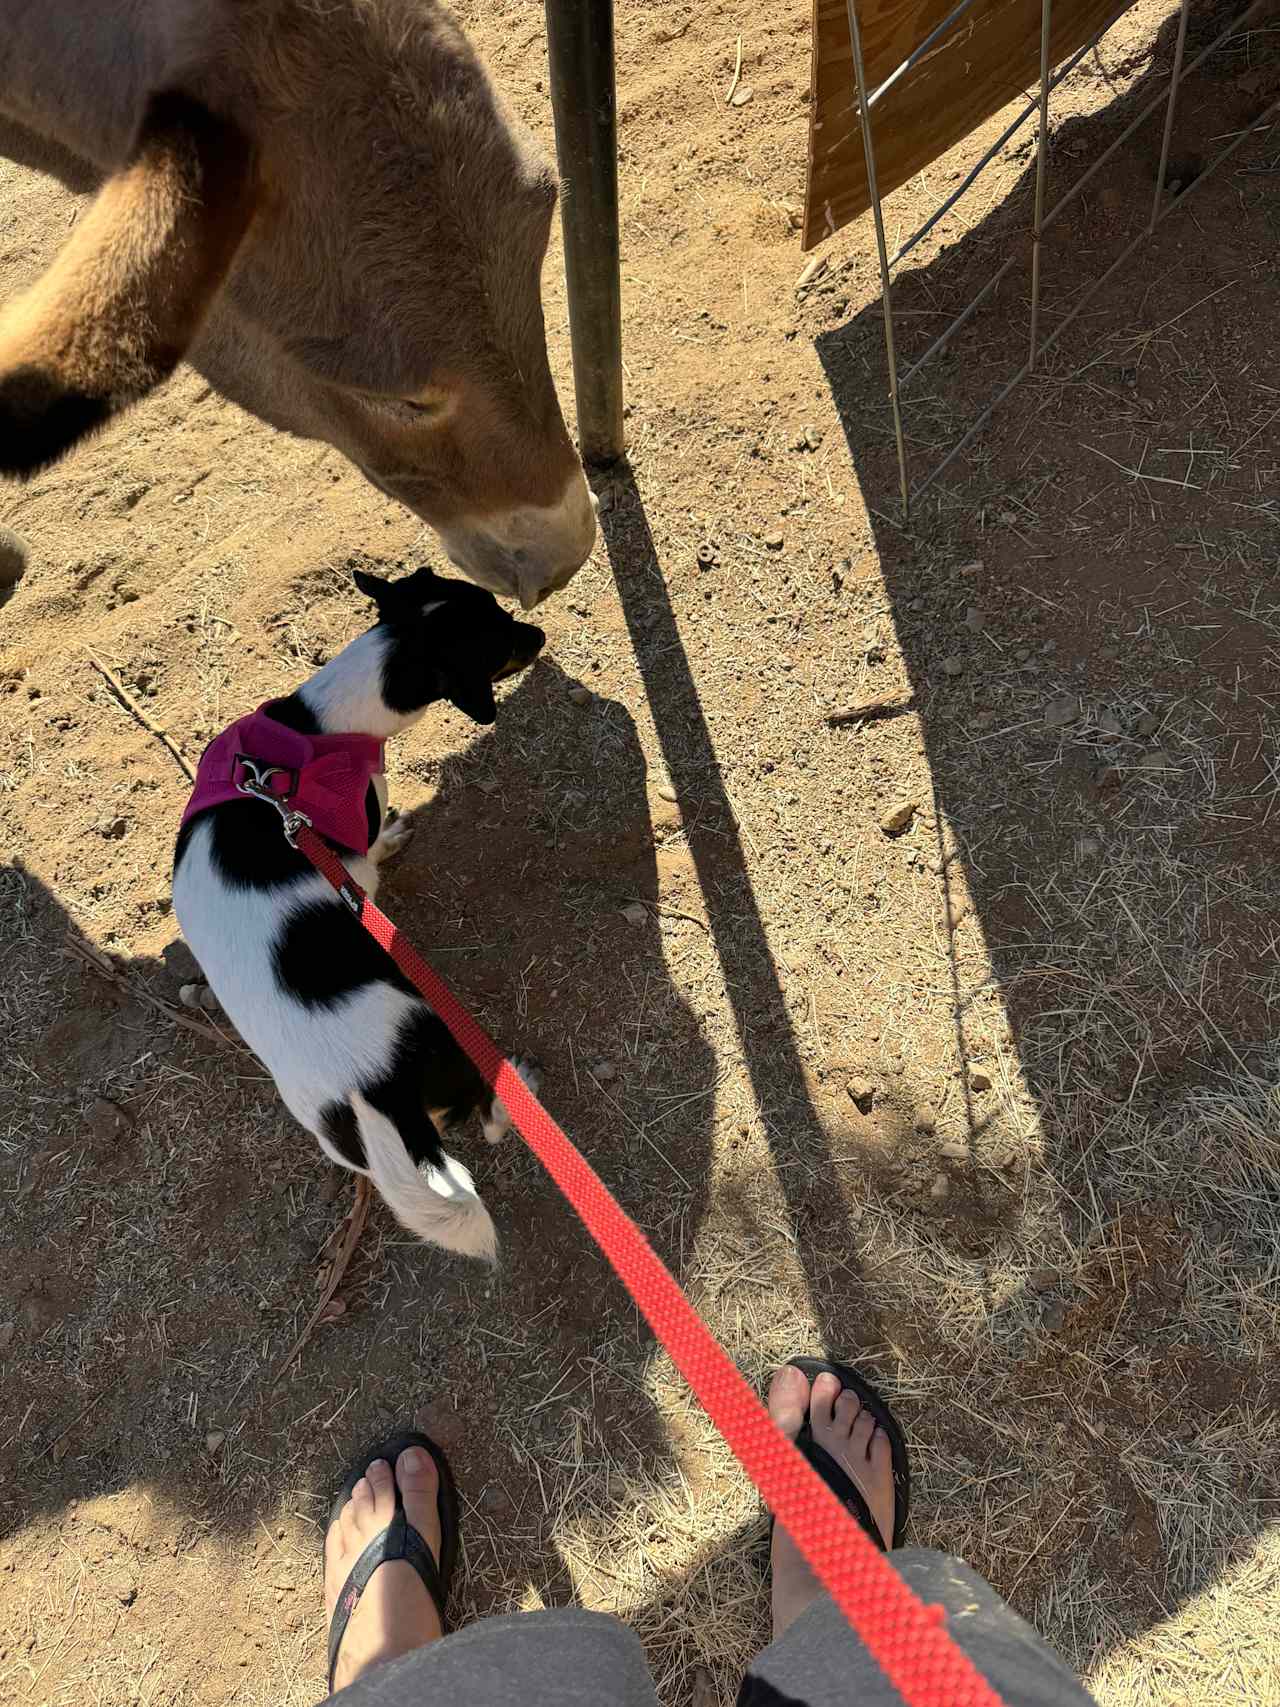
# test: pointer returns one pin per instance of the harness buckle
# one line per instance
(257, 785)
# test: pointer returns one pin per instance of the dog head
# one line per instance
(447, 640)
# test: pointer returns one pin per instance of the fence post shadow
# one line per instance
(799, 1144)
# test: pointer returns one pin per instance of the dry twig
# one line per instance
(135, 710)
(883, 705)
(737, 75)
(106, 968)
(352, 1229)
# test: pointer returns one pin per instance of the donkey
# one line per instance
(325, 207)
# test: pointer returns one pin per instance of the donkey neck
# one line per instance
(346, 696)
(79, 72)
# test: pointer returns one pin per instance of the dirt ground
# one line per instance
(990, 1104)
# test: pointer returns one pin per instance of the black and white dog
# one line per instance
(358, 1056)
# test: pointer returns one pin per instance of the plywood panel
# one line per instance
(986, 59)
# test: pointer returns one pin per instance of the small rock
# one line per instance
(1109, 776)
(810, 271)
(604, 1070)
(112, 829)
(952, 667)
(7, 1330)
(1088, 847)
(214, 1441)
(1146, 725)
(604, 500)
(984, 721)
(1109, 723)
(924, 1119)
(1022, 654)
(1054, 1316)
(208, 1001)
(979, 1080)
(13, 558)
(940, 1188)
(957, 913)
(667, 792)
(774, 541)
(122, 1585)
(954, 1152)
(1156, 760)
(898, 818)
(974, 619)
(1061, 712)
(636, 913)
(742, 95)
(191, 995)
(581, 695)
(493, 1499)
(862, 1092)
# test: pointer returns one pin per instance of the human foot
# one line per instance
(843, 1427)
(395, 1613)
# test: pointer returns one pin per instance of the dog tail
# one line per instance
(438, 1203)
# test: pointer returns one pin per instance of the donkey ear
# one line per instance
(118, 309)
(472, 692)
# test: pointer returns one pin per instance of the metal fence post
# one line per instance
(583, 100)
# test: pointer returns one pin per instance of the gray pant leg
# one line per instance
(561, 1658)
(819, 1662)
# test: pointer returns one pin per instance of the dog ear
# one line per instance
(118, 309)
(373, 587)
(471, 690)
(424, 581)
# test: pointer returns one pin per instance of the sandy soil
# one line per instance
(988, 1103)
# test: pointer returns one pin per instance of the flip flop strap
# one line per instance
(399, 1540)
(842, 1486)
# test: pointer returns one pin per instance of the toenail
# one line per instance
(413, 1458)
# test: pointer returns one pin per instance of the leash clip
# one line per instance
(256, 784)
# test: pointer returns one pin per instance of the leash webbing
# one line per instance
(906, 1638)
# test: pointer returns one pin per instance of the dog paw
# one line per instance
(395, 836)
(498, 1124)
(199, 996)
(529, 1071)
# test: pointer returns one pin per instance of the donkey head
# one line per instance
(354, 254)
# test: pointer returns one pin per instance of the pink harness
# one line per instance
(326, 777)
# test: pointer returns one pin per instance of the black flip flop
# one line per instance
(845, 1490)
(399, 1540)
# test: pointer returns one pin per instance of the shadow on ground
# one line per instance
(165, 1214)
(1085, 612)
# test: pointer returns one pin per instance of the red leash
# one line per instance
(906, 1638)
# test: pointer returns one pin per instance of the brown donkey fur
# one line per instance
(329, 211)
(119, 308)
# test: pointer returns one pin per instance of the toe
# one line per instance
(881, 1456)
(789, 1399)
(382, 1481)
(826, 1390)
(846, 1414)
(357, 1513)
(862, 1432)
(420, 1488)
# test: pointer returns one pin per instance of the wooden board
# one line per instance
(984, 60)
